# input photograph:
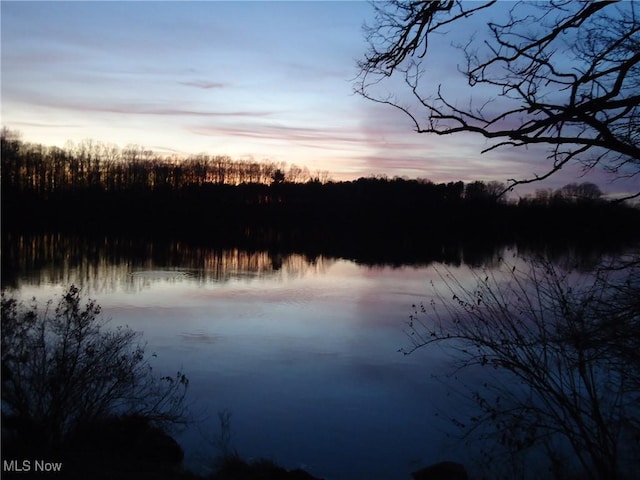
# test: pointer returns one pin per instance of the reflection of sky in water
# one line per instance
(302, 351)
(307, 363)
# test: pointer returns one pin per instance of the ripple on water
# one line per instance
(160, 274)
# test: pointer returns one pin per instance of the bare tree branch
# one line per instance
(563, 74)
(561, 350)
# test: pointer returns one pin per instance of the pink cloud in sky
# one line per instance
(203, 84)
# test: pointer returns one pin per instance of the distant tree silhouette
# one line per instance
(278, 176)
(581, 192)
(573, 193)
(481, 191)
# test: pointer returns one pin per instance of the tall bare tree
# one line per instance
(565, 74)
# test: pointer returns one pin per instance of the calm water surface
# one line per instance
(303, 353)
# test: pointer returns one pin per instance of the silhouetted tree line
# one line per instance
(29, 167)
(92, 188)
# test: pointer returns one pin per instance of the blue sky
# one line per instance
(252, 80)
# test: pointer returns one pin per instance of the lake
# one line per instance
(303, 351)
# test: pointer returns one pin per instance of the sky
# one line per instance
(253, 80)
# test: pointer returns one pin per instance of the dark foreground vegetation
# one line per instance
(80, 396)
(558, 352)
(92, 188)
(80, 400)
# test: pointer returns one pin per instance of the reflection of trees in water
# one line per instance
(584, 258)
(102, 264)
(109, 264)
